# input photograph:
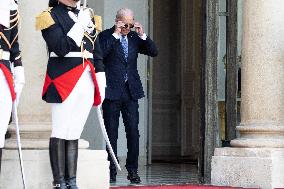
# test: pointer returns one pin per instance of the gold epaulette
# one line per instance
(98, 23)
(44, 20)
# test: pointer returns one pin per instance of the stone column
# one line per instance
(35, 120)
(257, 156)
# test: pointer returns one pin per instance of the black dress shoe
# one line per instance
(133, 177)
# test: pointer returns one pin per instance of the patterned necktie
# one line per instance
(125, 50)
(124, 46)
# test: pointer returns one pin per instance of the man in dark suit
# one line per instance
(121, 47)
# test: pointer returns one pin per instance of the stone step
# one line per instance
(93, 169)
(32, 130)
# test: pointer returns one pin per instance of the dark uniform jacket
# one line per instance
(116, 66)
(64, 72)
(9, 43)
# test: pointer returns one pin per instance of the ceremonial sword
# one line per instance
(16, 120)
(101, 121)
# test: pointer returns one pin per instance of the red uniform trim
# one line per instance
(66, 82)
(47, 82)
(9, 77)
(97, 95)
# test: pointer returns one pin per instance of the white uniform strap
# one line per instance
(85, 54)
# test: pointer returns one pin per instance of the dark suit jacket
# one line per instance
(116, 65)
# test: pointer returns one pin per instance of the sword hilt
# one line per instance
(85, 4)
(91, 10)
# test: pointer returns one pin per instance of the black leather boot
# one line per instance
(57, 162)
(0, 158)
(71, 154)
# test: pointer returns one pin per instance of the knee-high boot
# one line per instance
(57, 162)
(0, 158)
(71, 163)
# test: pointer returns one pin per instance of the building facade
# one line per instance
(193, 87)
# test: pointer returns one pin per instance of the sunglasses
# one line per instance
(128, 25)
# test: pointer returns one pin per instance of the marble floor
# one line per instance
(162, 173)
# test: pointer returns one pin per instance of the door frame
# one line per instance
(209, 130)
(231, 70)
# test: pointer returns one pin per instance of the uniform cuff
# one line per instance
(19, 74)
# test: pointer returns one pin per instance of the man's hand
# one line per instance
(83, 23)
(101, 79)
(19, 80)
(18, 90)
(118, 26)
(139, 28)
(83, 18)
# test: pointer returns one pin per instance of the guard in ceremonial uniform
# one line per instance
(12, 77)
(74, 82)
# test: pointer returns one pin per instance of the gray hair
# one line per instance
(124, 12)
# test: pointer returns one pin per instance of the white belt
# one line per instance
(4, 55)
(85, 54)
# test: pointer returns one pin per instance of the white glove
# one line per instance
(83, 18)
(83, 22)
(19, 81)
(101, 79)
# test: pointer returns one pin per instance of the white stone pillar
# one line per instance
(35, 120)
(257, 156)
